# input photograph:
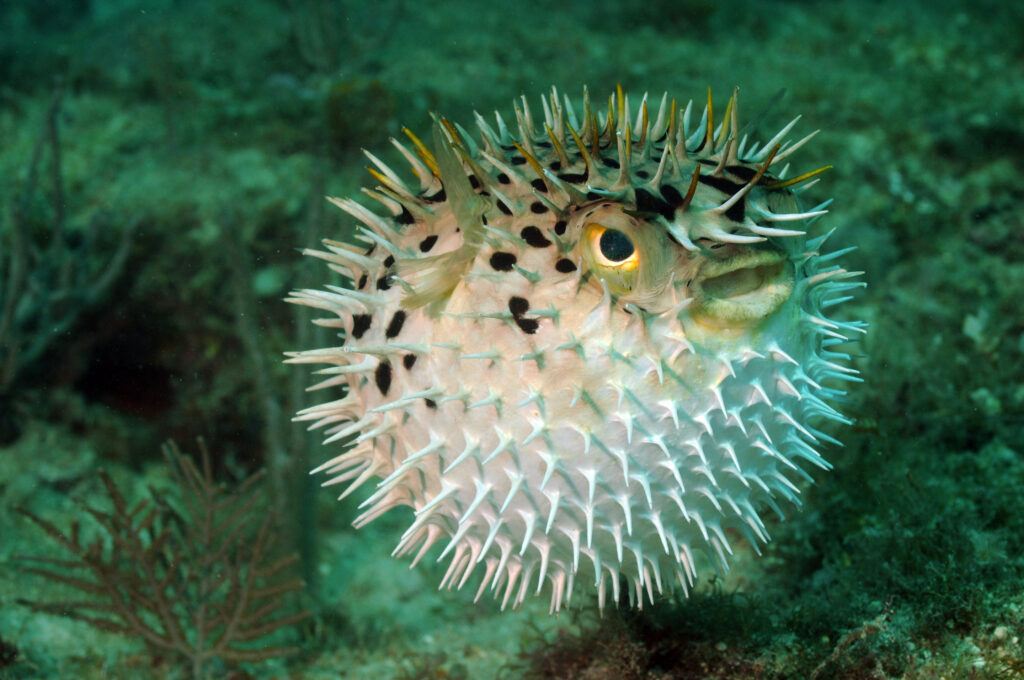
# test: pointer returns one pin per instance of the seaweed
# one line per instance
(193, 576)
(50, 274)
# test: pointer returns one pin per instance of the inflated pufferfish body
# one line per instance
(582, 351)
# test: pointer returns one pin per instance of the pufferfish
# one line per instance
(585, 349)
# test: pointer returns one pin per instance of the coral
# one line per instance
(51, 274)
(193, 577)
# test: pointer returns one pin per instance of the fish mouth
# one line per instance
(743, 289)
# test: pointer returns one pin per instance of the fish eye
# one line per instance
(615, 246)
(613, 256)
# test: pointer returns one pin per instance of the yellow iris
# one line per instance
(613, 256)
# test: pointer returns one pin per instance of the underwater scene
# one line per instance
(639, 340)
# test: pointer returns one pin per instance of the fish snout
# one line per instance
(741, 285)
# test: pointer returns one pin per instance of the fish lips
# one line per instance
(743, 289)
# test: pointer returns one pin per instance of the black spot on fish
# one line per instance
(538, 208)
(405, 217)
(726, 186)
(573, 177)
(382, 376)
(439, 197)
(539, 185)
(518, 160)
(474, 182)
(389, 260)
(555, 165)
(428, 243)
(383, 283)
(360, 324)
(430, 403)
(560, 227)
(649, 203)
(503, 178)
(643, 174)
(519, 306)
(503, 262)
(528, 326)
(362, 282)
(409, 360)
(744, 173)
(737, 212)
(610, 162)
(395, 326)
(565, 266)
(504, 208)
(672, 195)
(534, 237)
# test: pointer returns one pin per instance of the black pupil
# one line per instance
(615, 245)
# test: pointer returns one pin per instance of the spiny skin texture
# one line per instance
(584, 350)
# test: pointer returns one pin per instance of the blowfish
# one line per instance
(585, 349)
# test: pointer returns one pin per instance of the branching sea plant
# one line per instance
(50, 274)
(194, 575)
